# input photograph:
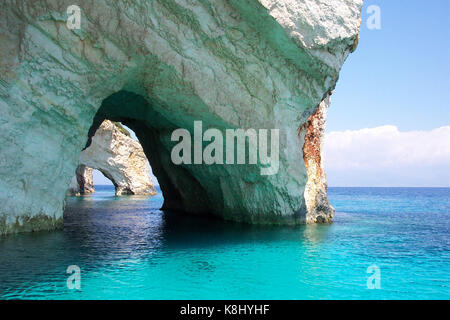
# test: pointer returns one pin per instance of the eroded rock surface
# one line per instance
(160, 65)
(122, 160)
(83, 181)
(313, 132)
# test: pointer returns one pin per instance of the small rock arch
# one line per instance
(118, 157)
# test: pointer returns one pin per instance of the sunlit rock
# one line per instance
(157, 66)
(121, 159)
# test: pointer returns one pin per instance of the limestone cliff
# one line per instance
(121, 159)
(157, 66)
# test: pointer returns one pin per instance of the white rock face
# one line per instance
(119, 158)
(157, 66)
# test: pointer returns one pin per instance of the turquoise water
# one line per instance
(127, 248)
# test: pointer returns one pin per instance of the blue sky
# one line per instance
(398, 75)
(385, 123)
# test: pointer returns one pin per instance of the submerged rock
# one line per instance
(161, 65)
(113, 152)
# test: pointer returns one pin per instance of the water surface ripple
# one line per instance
(128, 249)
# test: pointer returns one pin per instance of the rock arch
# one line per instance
(157, 66)
(114, 153)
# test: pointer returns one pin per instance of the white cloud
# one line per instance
(385, 153)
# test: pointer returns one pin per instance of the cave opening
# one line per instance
(138, 117)
(99, 179)
(102, 182)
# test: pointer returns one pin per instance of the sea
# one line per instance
(384, 243)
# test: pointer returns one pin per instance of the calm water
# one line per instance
(128, 249)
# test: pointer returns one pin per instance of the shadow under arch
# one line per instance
(180, 189)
